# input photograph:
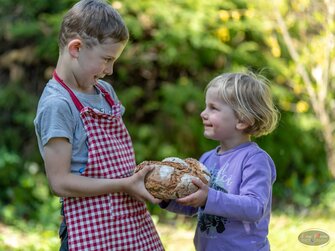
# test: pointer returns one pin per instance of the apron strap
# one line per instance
(106, 95)
(74, 98)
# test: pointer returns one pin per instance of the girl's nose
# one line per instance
(203, 114)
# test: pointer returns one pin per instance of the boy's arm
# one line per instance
(65, 184)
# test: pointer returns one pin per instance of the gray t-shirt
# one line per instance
(57, 116)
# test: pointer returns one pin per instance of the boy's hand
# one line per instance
(198, 198)
(136, 188)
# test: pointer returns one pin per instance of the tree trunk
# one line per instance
(330, 149)
(331, 162)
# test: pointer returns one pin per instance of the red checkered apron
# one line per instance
(114, 221)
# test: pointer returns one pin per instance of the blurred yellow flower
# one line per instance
(300, 5)
(302, 106)
(297, 89)
(236, 15)
(117, 5)
(285, 105)
(273, 43)
(276, 51)
(249, 13)
(280, 79)
(223, 34)
(224, 15)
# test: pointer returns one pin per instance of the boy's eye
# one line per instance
(108, 60)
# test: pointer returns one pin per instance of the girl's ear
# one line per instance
(74, 47)
(242, 125)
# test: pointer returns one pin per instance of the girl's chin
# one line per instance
(208, 135)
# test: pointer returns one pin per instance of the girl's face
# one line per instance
(220, 121)
(96, 62)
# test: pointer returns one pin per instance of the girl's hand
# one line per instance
(198, 198)
(135, 187)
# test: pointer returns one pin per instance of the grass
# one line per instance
(284, 232)
(285, 229)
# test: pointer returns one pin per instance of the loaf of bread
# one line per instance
(172, 177)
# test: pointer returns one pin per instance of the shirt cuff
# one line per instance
(164, 204)
(210, 200)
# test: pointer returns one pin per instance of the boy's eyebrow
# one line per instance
(108, 56)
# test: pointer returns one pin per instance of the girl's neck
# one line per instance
(225, 146)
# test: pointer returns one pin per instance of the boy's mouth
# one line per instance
(99, 77)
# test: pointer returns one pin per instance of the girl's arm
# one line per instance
(65, 184)
(250, 204)
(175, 207)
(255, 193)
(189, 205)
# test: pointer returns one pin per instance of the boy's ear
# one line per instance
(74, 47)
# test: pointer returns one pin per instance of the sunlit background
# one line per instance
(176, 48)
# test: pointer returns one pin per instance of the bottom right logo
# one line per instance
(314, 237)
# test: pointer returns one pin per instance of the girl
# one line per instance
(234, 210)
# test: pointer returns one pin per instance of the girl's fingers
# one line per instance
(198, 183)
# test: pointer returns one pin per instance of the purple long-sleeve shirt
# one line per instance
(237, 212)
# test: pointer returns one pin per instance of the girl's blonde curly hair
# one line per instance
(250, 97)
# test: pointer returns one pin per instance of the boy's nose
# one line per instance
(109, 70)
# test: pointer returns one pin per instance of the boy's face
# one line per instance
(96, 62)
(218, 118)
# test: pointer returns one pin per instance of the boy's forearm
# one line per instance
(73, 185)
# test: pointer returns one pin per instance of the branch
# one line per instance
(295, 56)
(330, 6)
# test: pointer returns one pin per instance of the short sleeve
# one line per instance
(55, 119)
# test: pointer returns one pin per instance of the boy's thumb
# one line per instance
(146, 170)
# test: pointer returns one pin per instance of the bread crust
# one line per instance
(172, 178)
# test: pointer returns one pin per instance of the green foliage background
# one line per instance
(176, 48)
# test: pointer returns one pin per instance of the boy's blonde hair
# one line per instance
(250, 97)
(93, 21)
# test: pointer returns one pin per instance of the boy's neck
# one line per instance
(64, 73)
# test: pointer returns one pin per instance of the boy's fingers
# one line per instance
(153, 199)
(156, 201)
(146, 170)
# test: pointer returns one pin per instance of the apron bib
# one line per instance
(113, 221)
